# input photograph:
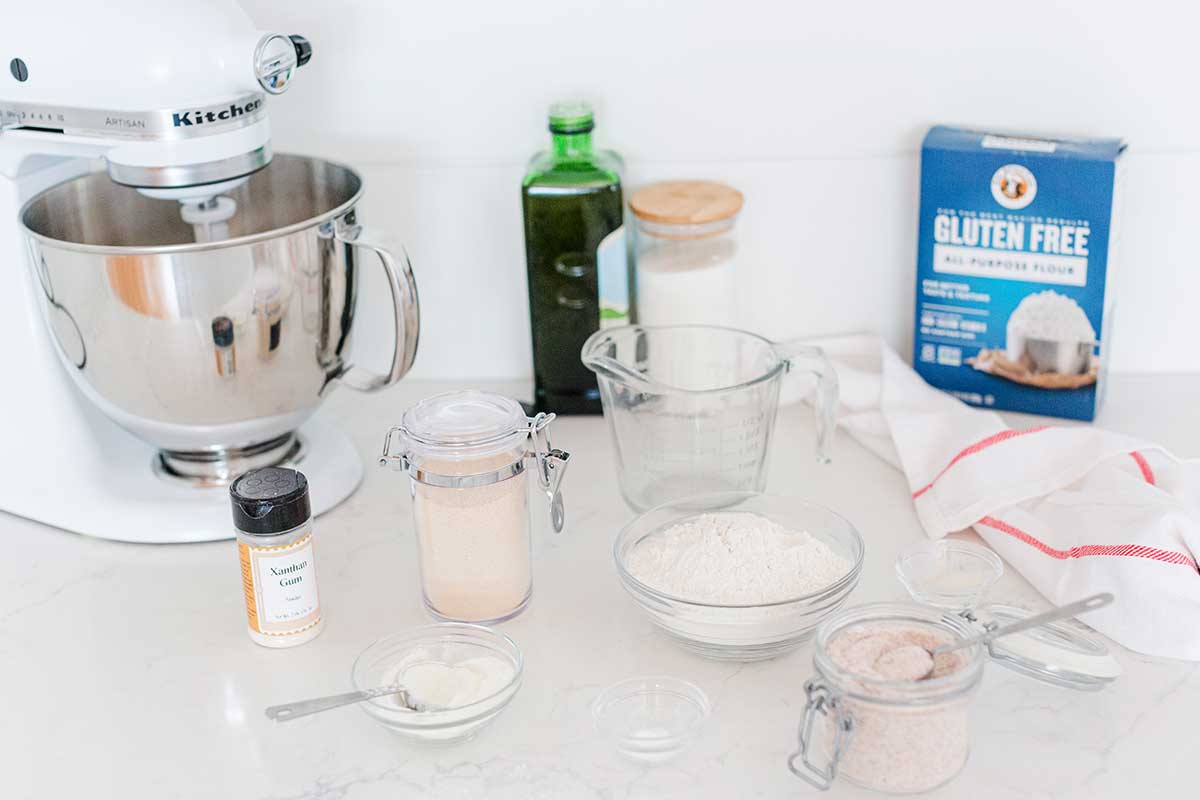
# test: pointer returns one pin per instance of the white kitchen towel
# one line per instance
(1073, 508)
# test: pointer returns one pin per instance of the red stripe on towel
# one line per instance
(982, 444)
(1144, 466)
(1083, 551)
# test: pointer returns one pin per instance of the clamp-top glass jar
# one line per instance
(896, 734)
(686, 253)
(466, 454)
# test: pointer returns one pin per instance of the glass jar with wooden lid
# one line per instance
(686, 253)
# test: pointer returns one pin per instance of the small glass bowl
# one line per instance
(948, 573)
(743, 632)
(652, 719)
(450, 642)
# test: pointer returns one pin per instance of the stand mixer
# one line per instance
(172, 98)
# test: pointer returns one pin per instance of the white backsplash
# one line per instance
(814, 111)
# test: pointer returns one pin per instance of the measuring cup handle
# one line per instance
(813, 360)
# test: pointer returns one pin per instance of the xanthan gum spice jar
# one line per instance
(467, 455)
(273, 519)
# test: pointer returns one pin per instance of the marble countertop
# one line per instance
(127, 671)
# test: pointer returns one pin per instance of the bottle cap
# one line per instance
(222, 331)
(270, 501)
(572, 116)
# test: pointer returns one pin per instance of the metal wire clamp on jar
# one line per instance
(466, 454)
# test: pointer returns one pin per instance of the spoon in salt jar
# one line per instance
(302, 708)
(920, 661)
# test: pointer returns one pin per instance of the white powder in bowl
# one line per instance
(450, 685)
(735, 558)
(1051, 316)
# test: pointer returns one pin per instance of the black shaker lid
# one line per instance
(222, 331)
(270, 500)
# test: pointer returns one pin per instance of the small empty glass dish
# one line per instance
(652, 719)
(447, 643)
(948, 573)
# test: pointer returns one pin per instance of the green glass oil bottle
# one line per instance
(576, 257)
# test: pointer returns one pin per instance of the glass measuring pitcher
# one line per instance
(692, 407)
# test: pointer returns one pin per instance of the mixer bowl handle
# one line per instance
(813, 360)
(405, 306)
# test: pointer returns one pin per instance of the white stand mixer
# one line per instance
(172, 98)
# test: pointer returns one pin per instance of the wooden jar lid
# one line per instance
(686, 202)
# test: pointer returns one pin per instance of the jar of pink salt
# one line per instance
(881, 713)
(468, 455)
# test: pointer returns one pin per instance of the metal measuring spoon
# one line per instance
(302, 708)
(1062, 612)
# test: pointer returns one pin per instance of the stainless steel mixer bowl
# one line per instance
(214, 351)
(1064, 358)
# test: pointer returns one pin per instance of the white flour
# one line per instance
(735, 558)
(1050, 315)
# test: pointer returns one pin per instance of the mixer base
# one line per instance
(117, 496)
(215, 468)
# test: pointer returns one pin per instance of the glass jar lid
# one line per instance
(686, 202)
(1059, 653)
(467, 423)
(472, 439)
(955, 575)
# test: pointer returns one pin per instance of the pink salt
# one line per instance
(893, 653)
(909, 662)
(899, 746)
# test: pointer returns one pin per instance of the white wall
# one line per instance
(815, 110)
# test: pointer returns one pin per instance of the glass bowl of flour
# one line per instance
(750, 581)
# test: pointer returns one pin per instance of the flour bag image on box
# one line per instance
(1016, 251)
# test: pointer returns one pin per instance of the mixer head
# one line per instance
(171, 95)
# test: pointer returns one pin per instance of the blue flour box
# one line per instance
(1016, 249)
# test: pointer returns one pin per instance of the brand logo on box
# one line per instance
(1014, 186)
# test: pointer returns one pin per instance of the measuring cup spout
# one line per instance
(595, 358)
(813, 360)
(614, 370)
